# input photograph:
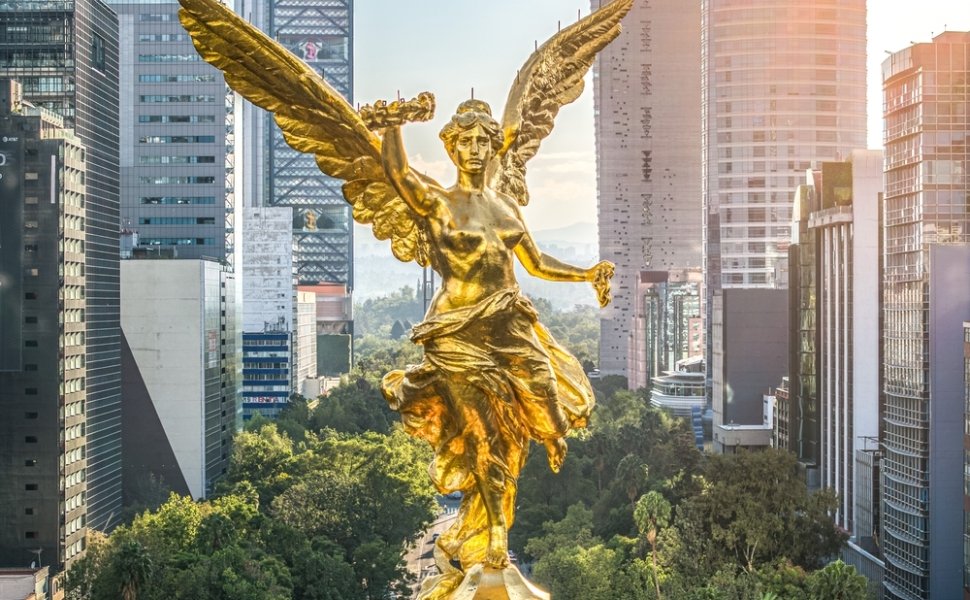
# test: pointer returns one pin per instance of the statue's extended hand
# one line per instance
(382, 114)
(599, 275)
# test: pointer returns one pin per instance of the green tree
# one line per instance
(376, 316)
(134, 568)
(837, 581)
(652, 515)
(756, 508)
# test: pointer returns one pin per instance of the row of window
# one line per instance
(176, 160)
(169, 57)
(176, 118)
(166, 98)
(163, 37)
(172, 241)
(176, 221)
(177, 180)
(178, 200)
(177, 139)
(176, 78)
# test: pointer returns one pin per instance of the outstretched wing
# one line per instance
(313, 116)
(551, 78)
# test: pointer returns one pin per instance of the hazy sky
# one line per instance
(448, 47)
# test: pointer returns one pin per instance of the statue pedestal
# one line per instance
(481, 583)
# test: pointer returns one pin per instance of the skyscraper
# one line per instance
(43, 441)
(320, 34)
(784, 87)
(647, 161)
(177, 163)
(926, 277)
(834, 331)
(66, 55)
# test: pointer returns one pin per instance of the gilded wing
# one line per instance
(313, 116)
(551, 78)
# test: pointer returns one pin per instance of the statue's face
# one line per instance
(472, 150)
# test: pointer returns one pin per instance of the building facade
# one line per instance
(750, 358)
(666, 323)
(784, 87)
(320, 34)
(177, 163)
(647, 160)
(925, 272)
(966, 476)
(834, 406)
(66, 56)
(43, 376)
(181, 362)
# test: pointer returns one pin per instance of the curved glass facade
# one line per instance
(925, 105)
(785, 88)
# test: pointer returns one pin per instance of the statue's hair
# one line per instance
(469, 114)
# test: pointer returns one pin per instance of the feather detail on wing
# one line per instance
(313, 116)
(551, 78)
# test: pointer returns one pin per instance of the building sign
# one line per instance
(11, 251)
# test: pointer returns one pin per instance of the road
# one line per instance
(419, 557)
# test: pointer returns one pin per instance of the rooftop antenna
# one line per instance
(473, 92)
(558, 25)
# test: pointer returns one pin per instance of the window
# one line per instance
(28, 511)
(30, 462)
(178, 200)
(176, 118)
(97, 52)
(177, 139)
(30, 487)
(176, 98)
(30, 535)
(30, 439)
(175, 180)
(30, 415)
(157, 17)
(176, 160)
(168, 57)
(176, 78)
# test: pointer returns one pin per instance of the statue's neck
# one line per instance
(471, 182)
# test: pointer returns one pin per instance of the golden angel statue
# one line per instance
(492, 378)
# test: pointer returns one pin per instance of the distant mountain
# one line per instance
(577, 233)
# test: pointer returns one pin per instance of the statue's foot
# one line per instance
(497, 553)
(556, 453)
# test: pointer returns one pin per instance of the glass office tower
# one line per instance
(65, 53)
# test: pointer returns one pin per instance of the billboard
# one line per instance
(11, 250)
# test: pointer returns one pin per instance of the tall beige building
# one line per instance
(647, 93)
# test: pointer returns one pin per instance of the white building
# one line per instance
(180, 361)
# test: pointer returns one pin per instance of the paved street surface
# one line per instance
(420, 559)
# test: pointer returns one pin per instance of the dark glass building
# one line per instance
(65, 53)
(44, 447)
